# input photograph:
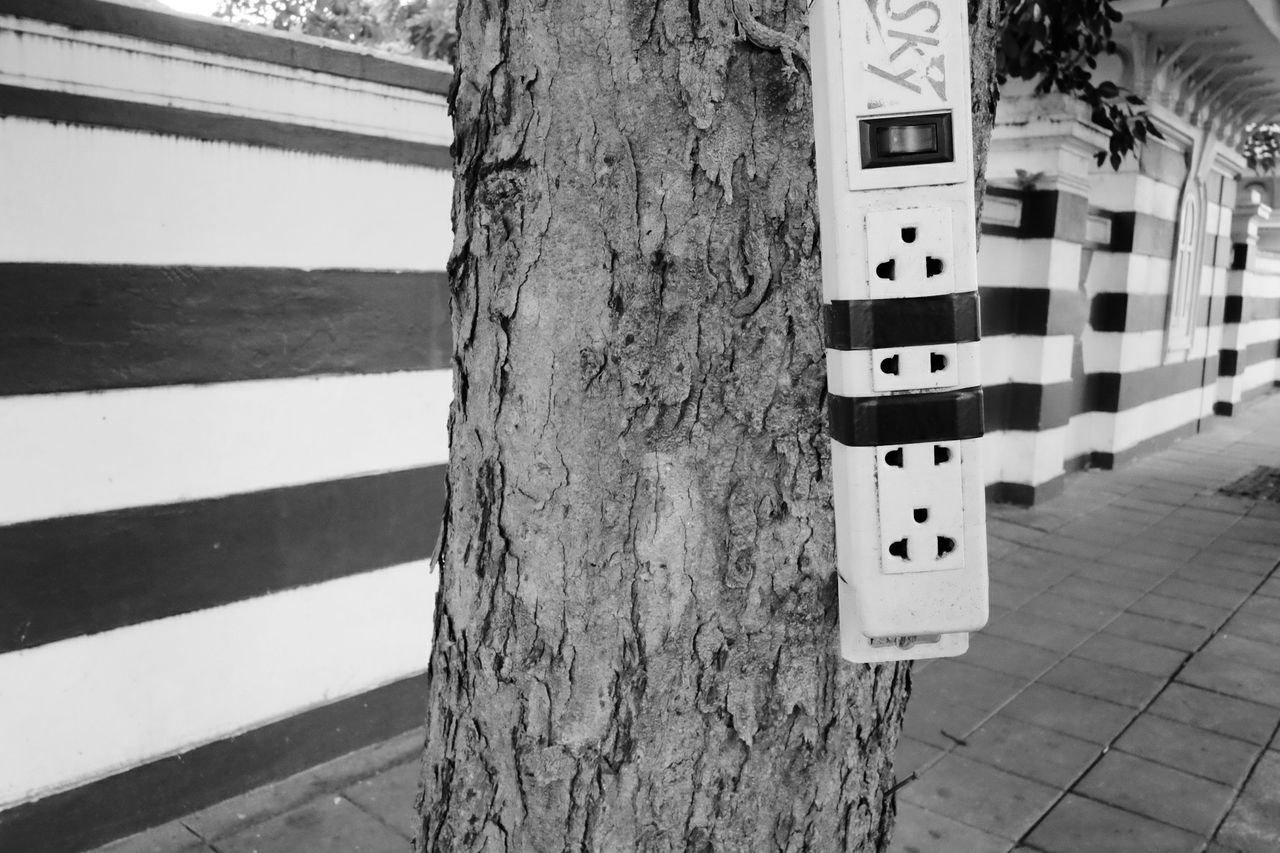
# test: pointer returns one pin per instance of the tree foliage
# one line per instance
(424, 28)
(1261, 147)
(1056, 43)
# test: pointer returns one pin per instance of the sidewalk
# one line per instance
(1125, 696)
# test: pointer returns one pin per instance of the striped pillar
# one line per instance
(224, 383)
(1030, 265)
(1251, 321)
(1140, 392)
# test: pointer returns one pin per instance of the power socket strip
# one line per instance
(896, 196)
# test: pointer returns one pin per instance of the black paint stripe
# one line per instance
(1025, 494)
(83, 327)
(1026, 406)
(1110, 311)
(905, 418)
(1119, 392)
(1142, 234)
(1228, 362)
(168, 788)
(1031, 311)
(1046, 214)
(66, 577)
(874, 323)
(216, 127)
(1233, 309)
(246, 43)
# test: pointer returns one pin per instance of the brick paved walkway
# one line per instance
(1125, 697)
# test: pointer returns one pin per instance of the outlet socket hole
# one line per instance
(921, 515)
(894, 458)
(899, 549)
(937, 362)
(932, 267)
(890, 365)
(941, 454)
(908, 235)
(945, 546)
(885, 270)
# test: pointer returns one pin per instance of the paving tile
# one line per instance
(1263, 607)
(234, 815)
(928, 721)
(1159, 792)
(390, 796)
(1216, 596)
(329, 824)
(1219, 555)
(1083, 614)
(1026, 749)
(980, 796)
(1038, 631)
(1271, 587)
(919, 830)
(1021, 571)
(1010, 596)
(1162, 632)
(1139, 579)
(1233, 678)
(1009, 656)
(1190, 749)
(1098, 592)
(1131, 559)
(1136, 655)
(1226, 715)
(1253, 824)
(1254, 627)
(1081, 716)
(1157, 546)
(911, 755)
(170, 838)
(1217, 576)
(1080, 825)
(1256, 653)
(954, 681)
(1122, 686)
(1179, 610)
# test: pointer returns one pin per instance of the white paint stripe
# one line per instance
(1032, 457)
(84, 708)
(66, 454)
(1258, 374)
(95, 195)
(1010, 262)
(1034, 359)
(1125, 191)
(1159, 416)
(38, 55)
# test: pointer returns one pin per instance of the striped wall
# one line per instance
(1076, 266)
(224, 383)
(1250, 358)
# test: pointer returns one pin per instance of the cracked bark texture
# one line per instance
(636, 636)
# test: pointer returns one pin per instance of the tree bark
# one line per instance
(636, 644)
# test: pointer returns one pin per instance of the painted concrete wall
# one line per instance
(224, 384)
(1077, 266)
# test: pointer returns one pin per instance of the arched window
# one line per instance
(1184, 285)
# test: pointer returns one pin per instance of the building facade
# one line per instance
(1125, 309)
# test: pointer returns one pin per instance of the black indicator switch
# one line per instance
(906, 140)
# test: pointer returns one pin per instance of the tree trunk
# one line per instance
(636, 644)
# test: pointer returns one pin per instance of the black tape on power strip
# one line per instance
(916, 321)
(905, 418)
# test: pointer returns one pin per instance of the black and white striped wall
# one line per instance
(1076, 266)
(224, 383)
(1250, 358)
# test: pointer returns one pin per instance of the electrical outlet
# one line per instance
(912, 368)
(911, 252)
(920, 501)
(911, 545)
